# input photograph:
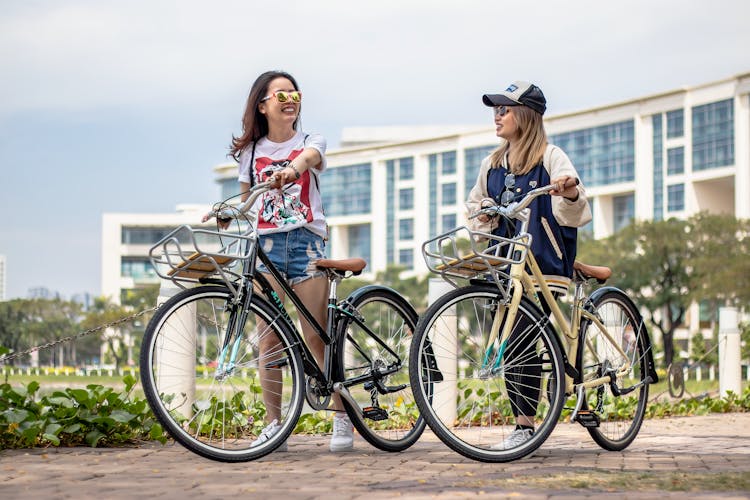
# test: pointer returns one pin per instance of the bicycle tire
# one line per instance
(393, 320)
(214, 412)
(471, 408)
(618, 425)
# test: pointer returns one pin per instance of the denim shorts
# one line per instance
(294, 254)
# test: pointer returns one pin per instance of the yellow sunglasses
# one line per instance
(283, 96)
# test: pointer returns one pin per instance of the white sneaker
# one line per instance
(343, 433)
(266, 434)
(515, 439)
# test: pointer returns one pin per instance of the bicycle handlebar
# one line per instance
(229, 213)
(513, 209)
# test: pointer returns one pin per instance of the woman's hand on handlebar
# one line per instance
(282, 177)
(222, 222)
(565, 186)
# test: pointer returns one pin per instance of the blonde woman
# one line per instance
(524, 161)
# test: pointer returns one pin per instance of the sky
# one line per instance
(126, 106)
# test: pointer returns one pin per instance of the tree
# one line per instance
(26, 323)
(666, 265)
(649, 261)
(101, 313)
(718, 246)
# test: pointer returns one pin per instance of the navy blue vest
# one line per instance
(553, 245)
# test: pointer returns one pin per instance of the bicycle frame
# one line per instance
(525, 283)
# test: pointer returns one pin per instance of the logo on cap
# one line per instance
(512, 88)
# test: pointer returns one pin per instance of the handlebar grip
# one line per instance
(572, 182)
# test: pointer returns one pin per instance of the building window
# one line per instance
(676, 160)
(406, 229)
(390, 211)
(359, 242)
(448, 222)
(602, 155)
(448, 193)
(675, 123)
(406, 258)
(138, 268)
(676, 198)
(448, 163)
(472, 161)
(624, 210)
(406, 168)
(713, 135)
(347, 190)
(658, 168)
(406, 199)
(143, 235)
(433, 203)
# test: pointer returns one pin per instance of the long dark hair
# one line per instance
(254, 123)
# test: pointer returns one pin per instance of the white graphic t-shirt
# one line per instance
(300, 204)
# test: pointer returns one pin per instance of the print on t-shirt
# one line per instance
(280, 208)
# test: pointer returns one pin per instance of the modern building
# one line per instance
(388, 189)
(126, 241)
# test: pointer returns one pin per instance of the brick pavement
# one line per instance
(708, 455)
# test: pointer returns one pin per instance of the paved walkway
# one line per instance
(672, 458)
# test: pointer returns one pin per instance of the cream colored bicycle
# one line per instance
(496, 355)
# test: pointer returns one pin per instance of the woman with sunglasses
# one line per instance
(291, 222)
(523, 161)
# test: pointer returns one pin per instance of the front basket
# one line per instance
(188, 255)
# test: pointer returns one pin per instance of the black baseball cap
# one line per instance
(518, 92)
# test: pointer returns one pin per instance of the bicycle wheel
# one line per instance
(472, 391)
(619, 417)
(212, 404)
(374, 338)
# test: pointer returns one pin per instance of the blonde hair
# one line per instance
(528, 149)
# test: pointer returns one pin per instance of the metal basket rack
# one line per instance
(189, 255)
(489, 256)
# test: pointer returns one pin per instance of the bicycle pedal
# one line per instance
(278, 363)
(588, 418)
(374, 413)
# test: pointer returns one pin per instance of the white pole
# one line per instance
(444, 346)
(175, 353)
(730, 373)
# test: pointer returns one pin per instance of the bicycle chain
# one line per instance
(8, 357)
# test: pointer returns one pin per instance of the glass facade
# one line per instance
(602, 155)
(143, 235)
(676, 160)
(433, 182)
(448, 222)
(406, 168)
(448, 164)
(390, 211)
(623, 210)
(406, 199)
(359, 242)
(448, 193)
(406, 258)
(472, 161)
(406, 229)
(713, 135)
(138, 268)
(347, 190)
(676, 197)
(675, 123)
(656, 121)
